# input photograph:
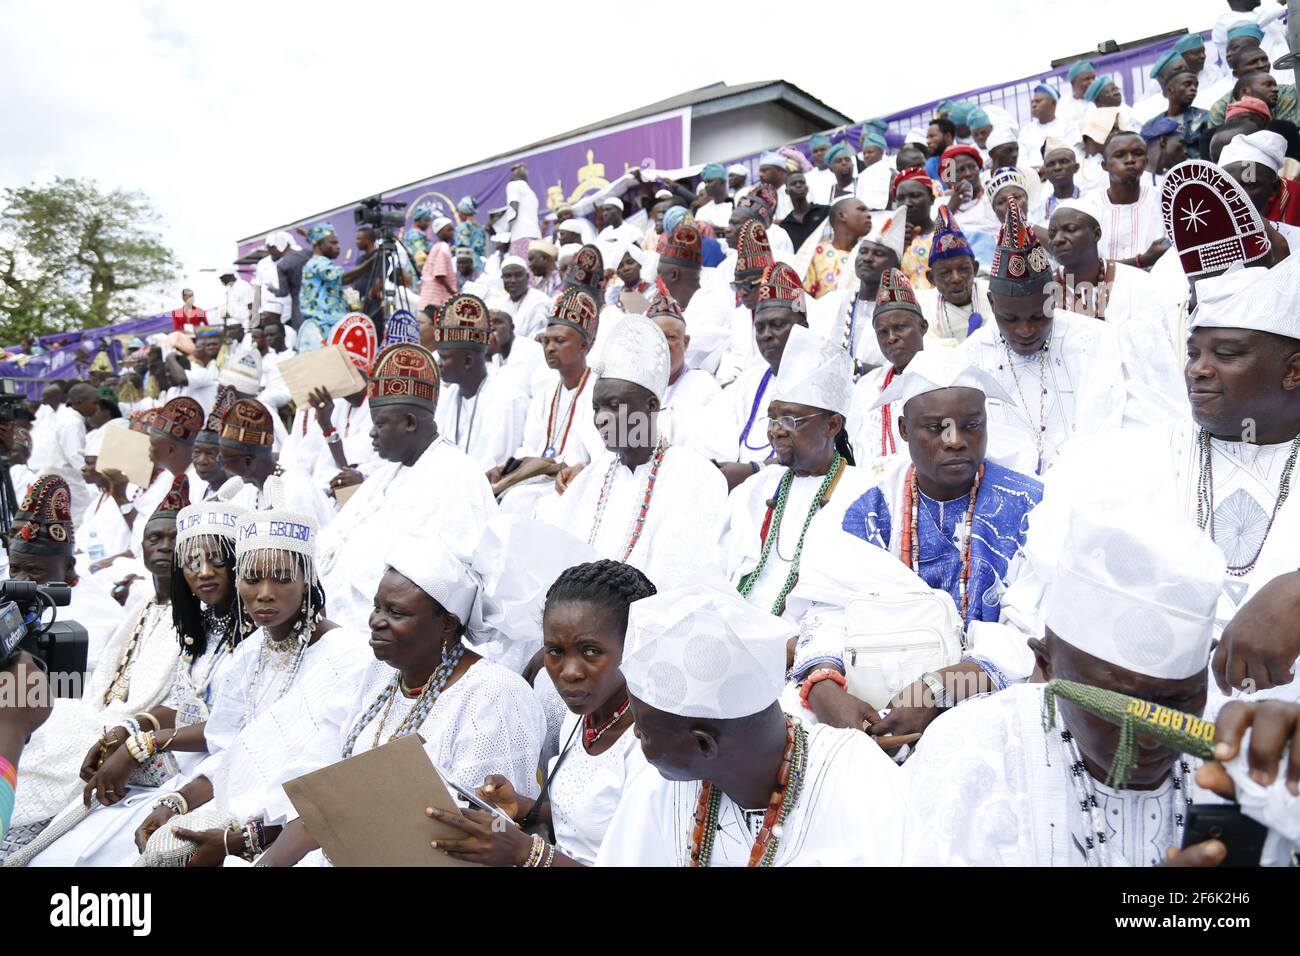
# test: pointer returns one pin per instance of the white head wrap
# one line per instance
(815, 373)
(738, 169)
(95, 438)
(1137, 586)
(427, 562)
(567, 252)
(613, 201)
(243, 372)
(514, 261)
(700, 652)
(934, 369)
(1262, 300)
(637, 352)
(915, 136)
(281, 240)
(1264, 147)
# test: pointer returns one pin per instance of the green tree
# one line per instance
(74, 256)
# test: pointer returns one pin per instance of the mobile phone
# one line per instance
(1225, 822)
(472, 798)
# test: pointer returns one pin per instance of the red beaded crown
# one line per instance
(405, 374)
(577, 309)
(43, 525)
(684, 247)
(356, 333)
(1020, 264)
(248, 423)
(895, 293)
(180, 419)
(753, 251)
(780, 286)
(462, 323)
(586, 269)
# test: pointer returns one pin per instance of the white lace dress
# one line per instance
(586, 790)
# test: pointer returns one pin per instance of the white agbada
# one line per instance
(395, 497)
(530, 313)
(487, 427)
(844, 317)
(847, 814)
(1081, 371)
(741, 541)
(525, 361)
(678, 536)
(144, 648)
(873, 432)
(739, 415)
(67, 458)
(683, 419)
(708, 323)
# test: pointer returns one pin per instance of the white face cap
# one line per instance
(700, 652)
(933, 369)
(1264, 147)
(637, 352)
(612, 202)
(1137, 586)
(1236, 299)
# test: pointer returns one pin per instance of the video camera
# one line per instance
(60, 646)
(380, 214)
(10, 399)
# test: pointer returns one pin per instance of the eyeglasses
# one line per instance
(788, 423)
(196, 561)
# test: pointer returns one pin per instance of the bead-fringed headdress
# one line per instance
(201, 527)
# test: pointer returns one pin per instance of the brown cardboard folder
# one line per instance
(368, 810)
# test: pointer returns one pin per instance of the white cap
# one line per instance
(1084, 204)
(815, 373)
(933, 369)
(1264, 147)
(738, 169)
(696, 651)
(427, 562)
(637, 352)
(279, 240)
(438, 224)
(230, 270)
(567, 252)
(200, 524)
(541, 245)
(1262, 300)
(916, 136)
(1137, 586)
(664, 194)
(243, 372)
(1006, 176)
(514, 261)
(890, 231)
(613, 201)
(272, 306)
(1000, 136)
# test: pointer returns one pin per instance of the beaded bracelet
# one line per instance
(535, 853)
(550, 854)
(151, 718)
(825, 673)
(130, 725)
(175, 802)
(254, 834)
(141, 746)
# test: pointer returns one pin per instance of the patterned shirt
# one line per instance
(471, 235)
(916, 260)
(1286, 109)
(321, 296)
(417, 244)
(827, 268)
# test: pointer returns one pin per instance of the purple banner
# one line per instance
(561, 173)
(69, 354)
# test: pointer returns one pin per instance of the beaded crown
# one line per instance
(895, 293)
(43, 525)
(462, 323)
(356, 333)
(684, 247)
(753, 251)
(663, 304)
(780, 286)
(405, 374)
(180, 419)
(248, 425)
(948, 240)
(577, 309)
(1020, 264)
(177, 497)
(1209, 220)
(585, 270)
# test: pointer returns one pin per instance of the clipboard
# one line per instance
(368, 810)
(328, 368)
(341, 495)
(126, 451)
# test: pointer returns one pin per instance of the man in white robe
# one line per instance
(481, 414)
(528, 307)
(403, 401)
(844, 316)
(520, 358)
(1064, 373)
(770, 514)
(67, 457)
(683, 416)
(640, 501)
(703, 670)
(1004, 781)
(707, 308)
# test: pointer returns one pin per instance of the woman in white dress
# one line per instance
(583, 627)
(476, 717)
(271, 712)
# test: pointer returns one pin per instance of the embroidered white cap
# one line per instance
(815, 373)
(933, 369)
(637, 352)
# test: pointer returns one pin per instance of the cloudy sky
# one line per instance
(239, 115)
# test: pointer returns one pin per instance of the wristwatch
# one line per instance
(127, 508)
(942, 696)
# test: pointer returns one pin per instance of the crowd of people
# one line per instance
(721, 575)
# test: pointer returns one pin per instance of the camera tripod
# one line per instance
(386, 262)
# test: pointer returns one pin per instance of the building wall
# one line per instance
(751, 129)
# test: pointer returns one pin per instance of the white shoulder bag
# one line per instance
(892, 639)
